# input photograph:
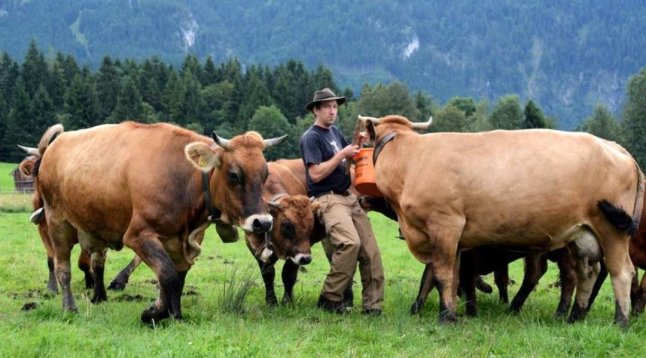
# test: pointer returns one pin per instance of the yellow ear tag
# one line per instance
(203, 162)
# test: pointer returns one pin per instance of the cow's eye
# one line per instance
(233, 178)
(287, 230)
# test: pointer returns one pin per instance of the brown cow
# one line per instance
(535, 190)
(139, 185)
(296, 228)
(28, 168)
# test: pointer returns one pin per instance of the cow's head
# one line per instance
(237, 170)
(293, 225)
(378, 127)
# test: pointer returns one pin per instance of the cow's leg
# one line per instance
(444, 260)
(601, 278)
(63, 238)
(501, 278)
(586, 274)
(268, 273)
(468, 277)
(567, 275)
(85, 265)
(535, 268)
(621, 271)
(121, 280)
(98, 270)
(639, 300)
(289, 275)
(150, 250)
(44, 237)
(52, 286)
(482, 286)
(425, 287)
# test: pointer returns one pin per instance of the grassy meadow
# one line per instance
(32, 322)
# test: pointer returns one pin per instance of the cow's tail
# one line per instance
(618, 216)
(48, 137)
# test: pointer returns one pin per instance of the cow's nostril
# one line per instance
(305, 260)
(261, 226)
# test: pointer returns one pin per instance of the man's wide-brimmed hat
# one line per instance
(323, 95)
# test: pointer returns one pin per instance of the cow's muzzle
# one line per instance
(258, 224)
(301, 259)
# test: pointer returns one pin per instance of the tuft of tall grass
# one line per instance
(235, 289)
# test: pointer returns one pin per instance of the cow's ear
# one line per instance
(274, 208)
(314, 206)
(202, 156)
(26, 167)
(370, 128)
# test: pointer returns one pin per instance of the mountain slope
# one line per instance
(566, 56)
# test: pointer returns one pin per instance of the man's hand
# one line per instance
(350, 150)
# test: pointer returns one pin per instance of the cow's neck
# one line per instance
(214, 214)
(381, 143)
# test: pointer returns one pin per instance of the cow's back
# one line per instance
(286, 175)
(98, 178)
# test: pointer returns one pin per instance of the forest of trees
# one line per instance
(205, 96)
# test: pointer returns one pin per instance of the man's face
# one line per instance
(326, 113)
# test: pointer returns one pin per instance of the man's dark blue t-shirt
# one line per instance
(318, 145)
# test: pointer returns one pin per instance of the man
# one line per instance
(326, 154)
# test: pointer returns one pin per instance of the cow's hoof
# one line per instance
(99, 298)
(560, 313)
(287, 301)
(152, 315)
(117, 286)
(415, 308)
(577, 314)
(448, 318)
(514, 310)
(271, 301)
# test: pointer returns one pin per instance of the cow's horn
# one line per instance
(423, 125)
(29, 150)
(274, 141)
(224, 143)
(365, 118)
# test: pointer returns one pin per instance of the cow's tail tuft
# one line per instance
(48, 137)
(618, 217)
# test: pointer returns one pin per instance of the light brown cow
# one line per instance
(534, 190)
(148, 187)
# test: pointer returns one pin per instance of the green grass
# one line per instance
(210, 328)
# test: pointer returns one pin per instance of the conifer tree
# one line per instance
(129, 105)
(507, 113)
(602, 124)
(34, 69)
(534, 117)
(634, 123)
(81, 104)
(108, 87)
